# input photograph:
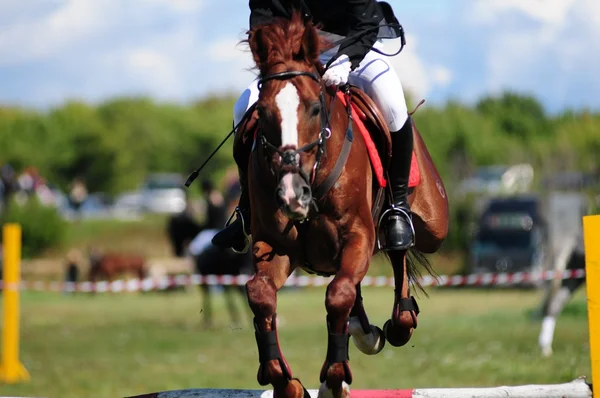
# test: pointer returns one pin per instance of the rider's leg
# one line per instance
(235, 235)
(376, 77)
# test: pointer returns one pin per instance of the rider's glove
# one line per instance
(338, 72)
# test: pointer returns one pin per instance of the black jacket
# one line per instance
(341, 17)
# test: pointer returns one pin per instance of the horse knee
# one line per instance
(340, 297)
(262, 295)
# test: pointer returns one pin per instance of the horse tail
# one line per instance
(416, 262)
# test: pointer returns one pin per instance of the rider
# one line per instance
(354, 62)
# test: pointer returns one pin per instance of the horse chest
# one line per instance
(321, 245)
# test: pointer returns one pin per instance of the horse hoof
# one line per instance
(396, 335)
(325, 392)
(370, 343)
(293, 389)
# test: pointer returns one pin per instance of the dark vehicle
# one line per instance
(512, 236)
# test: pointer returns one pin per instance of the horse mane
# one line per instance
(282, 40)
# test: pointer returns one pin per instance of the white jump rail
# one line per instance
(577, 388)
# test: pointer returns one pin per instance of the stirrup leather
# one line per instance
(398, 211)
(238, 214)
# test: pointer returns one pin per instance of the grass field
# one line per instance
(146, 235)
(119, 345)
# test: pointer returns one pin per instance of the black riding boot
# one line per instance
(235, 234)
(397, 220)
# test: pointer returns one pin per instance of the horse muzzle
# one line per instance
(294, 196)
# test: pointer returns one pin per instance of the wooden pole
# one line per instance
(591, 232)
(11, 369)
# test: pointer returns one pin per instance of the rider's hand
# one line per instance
(338, 72)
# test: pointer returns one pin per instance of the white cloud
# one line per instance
(36, 38)
(417, 77)
(229, 49)
(545, 11)
(441, 75)
(76, 22)
(153, 70)
(544, 47)
(182, 6)
(233, 63)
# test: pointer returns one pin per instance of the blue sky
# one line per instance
(180, 50)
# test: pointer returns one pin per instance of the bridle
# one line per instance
(290, 157)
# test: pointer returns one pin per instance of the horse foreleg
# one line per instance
(398, 330)
(340, 298)
(272, 271)
(368, 338)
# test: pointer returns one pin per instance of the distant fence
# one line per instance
(178, 281)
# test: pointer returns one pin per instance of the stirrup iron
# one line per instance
(408, 218)
(238, 214)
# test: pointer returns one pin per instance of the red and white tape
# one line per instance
(171, 282)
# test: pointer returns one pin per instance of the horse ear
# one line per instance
(260, 47)
(310, 44)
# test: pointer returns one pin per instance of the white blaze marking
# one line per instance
(288, 101)
(288, 194)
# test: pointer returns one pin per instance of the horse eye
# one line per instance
(315, 108)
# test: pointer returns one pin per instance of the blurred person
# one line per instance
(215, 218)
(74, 260)
(356, 60)
(78, 194)
(215, 213)
(181, 229)
(43, 192)
(29, 180)
(9, 184)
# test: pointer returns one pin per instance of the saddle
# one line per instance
(375, 124)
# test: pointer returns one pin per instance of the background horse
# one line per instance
(109, 266)
(561, 290)
(314, 202)
(182, 229)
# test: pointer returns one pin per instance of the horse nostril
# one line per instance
(306, 194)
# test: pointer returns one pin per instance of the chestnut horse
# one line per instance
(314, 202)
(111, 265)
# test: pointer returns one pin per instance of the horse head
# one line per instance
(291, 108)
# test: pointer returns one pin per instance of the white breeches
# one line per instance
(375, 76)
(201, 242)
